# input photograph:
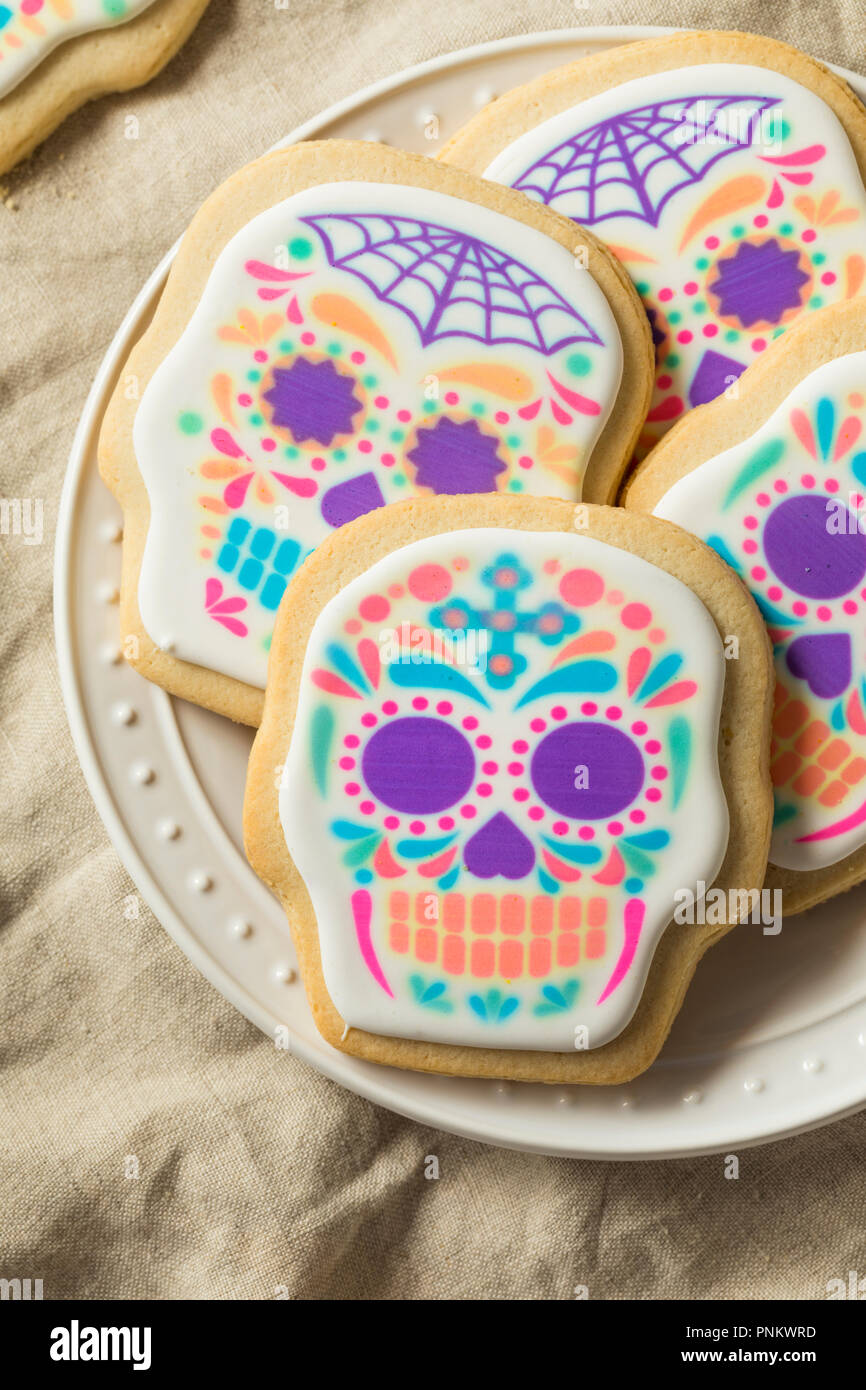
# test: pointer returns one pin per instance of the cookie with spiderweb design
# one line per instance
(731, 189)
(355, 343)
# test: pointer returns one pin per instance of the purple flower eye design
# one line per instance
(418, 765)
(587, 770)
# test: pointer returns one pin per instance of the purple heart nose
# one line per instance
(823, 661)
(499, 848)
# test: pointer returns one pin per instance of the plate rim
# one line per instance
(429, 1111)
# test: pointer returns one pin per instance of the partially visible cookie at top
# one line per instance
(57, 54)
(773, 477)
(344, 326)
(503, 756)
(726, 171)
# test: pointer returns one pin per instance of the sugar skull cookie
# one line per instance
(775, 482)
(346, 326)
(497, 750)
(726, 172)
(57, 54)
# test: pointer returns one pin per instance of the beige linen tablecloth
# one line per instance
(254, 1171)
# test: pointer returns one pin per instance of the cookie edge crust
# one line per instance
(724, 423)
(88, 66)
(743, 761)
(523, 108)
(254, 189)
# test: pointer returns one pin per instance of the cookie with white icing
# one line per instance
(346, 326)
(57, 54)
(774, 479)
(725, 170)
(501, 743)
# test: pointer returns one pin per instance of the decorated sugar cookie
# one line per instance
(502, 767)
(57, 54)
(785, 506)
(724, 170)
(346, 327)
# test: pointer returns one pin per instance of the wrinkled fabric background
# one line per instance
(256, 1172)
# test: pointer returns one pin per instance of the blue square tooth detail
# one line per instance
(237, 532)
(272, 592)
(262, 543)
(286, 557)
(228, 558)
(250, 573)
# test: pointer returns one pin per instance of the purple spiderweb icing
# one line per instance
(451, 284)
(631, 164)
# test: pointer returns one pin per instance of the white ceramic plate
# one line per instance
(772, 1038)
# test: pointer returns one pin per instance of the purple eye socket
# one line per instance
(809, 558)
(418, 765)
(587, 771)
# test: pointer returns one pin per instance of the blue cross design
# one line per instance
(505, 621)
